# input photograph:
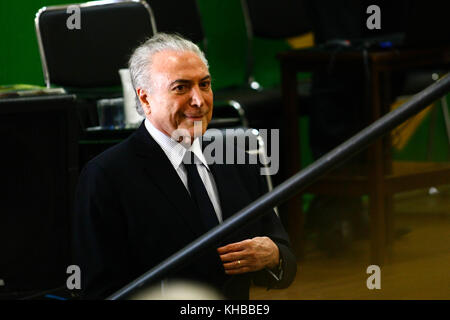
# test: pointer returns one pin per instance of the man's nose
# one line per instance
(197, 99)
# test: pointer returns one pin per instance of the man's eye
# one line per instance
(205, 85)
(180, 88)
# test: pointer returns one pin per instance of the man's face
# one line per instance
(180, 93)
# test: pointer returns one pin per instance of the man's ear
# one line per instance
(144, 99)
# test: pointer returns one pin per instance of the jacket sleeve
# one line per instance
(98, 235)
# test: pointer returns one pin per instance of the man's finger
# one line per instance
(232, 256)
(237, 264)
(238, 271)
(236, 246)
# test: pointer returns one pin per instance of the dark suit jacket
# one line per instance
(132, 211)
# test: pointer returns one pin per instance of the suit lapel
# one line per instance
(164, 176)
(233, 196)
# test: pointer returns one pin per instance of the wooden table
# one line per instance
(380, 181)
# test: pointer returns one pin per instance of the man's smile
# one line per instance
(194, 116)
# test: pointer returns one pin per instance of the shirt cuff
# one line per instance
(277, 274)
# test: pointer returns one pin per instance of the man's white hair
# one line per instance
(141, 59)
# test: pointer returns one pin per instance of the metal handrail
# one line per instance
(293, 185)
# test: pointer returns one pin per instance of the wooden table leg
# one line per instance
(390, 226)
(377, 205)
(385, 100)
(377, 184)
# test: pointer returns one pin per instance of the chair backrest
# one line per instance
(91, 55)
(275, 19)
(250, 141)
(182, 17)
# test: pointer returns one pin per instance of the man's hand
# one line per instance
(249, 255)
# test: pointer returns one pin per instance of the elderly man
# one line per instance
(141, 201)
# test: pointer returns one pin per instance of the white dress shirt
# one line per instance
(175, 153)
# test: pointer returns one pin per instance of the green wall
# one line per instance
(19, 53)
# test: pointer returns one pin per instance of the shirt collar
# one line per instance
(174, 150)
(197, 150)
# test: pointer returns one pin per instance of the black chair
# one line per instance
(91, 55)
(278, 20)
(185, 20)
(288, 18)
(272, 20)
(249, 144)
(85, 60)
